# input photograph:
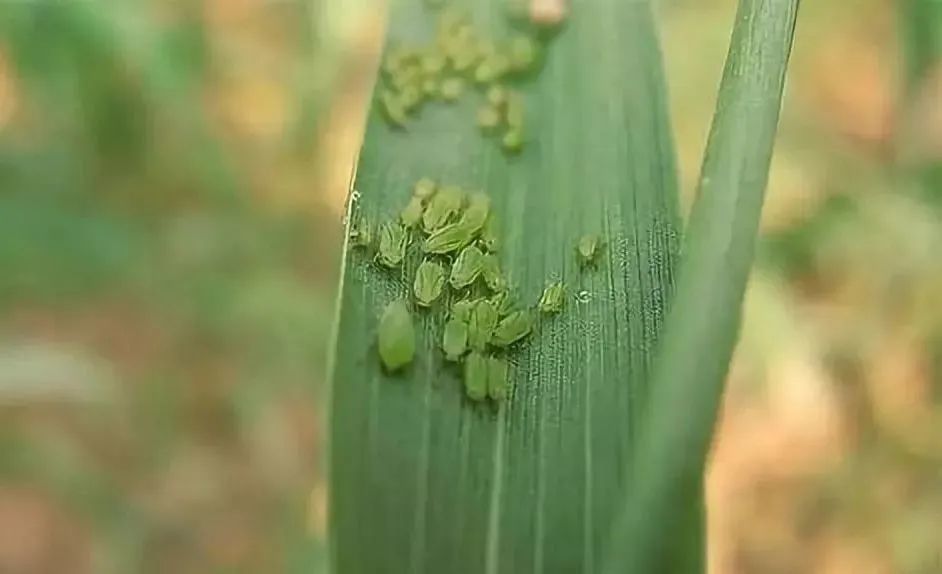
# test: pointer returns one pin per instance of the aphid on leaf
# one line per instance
(553, 298)
(392, 244)
(433, 63)
(455, 339)
(452, 88)
(503, 302)
(393, 109)
(411, 215)
(588, 249)
(361, 233)
(496, 378)
(398, 60)
(497, 96)
(523, 53)
(442, 207)
(491, 69)
(432, 88)
(488, 119)
(424, 188)
(489, 239)
(513, 141)
(467, 267)
(515, 111)
(396, 336)
(481, 324)
(477, 212)
(512, 328)
(461, 310)
(475, 376)
(492, 275)
(448, 239)
(411, 97)
(429, 282)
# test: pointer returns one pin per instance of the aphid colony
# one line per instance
(456, 59)
(460, 269)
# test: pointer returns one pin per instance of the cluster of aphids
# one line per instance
(456, 233)
(442, 71)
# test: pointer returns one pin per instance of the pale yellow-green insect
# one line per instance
(396, 336)
(455, 339)
(448, 239)
(488, 119)
(393, 109)
(553, 298)
(588, 249)
(424, 189)
(452, 88)
(512, 141)
(481, 324)
(496, 378)
(475, 376)
(429, 282)
(443, 206)
(512, 328)
(492, 275)
(467, 267)
(411, 215)
(393, 240)
(476, 213)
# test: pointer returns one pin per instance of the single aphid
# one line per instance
(361, 233)
(432, 88)
(497, 96)
(411, 97)
(475, 376)
(503, 302)
(588, 249)
(393, 109)
(492, 275)
(512, 141)
(481, 324)
(489, 238)
(523, 53)
(553, 298)
(488, 119)
(477, 212)
(452, 88)
(461, 310)
(399, 59)
(448, 239)
(396, 336)
(462, 58)
(429, 282)
(515, 111)
(424, 188)
(392, 244)
(467, 267)
(496, 378)
(433, 63)
(455, 339)
(491, 69)
(411, 215)
(512, 328)
(442, 207)
(408, 77)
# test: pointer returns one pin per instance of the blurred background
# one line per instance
(172, 177)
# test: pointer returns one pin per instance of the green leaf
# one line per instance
(423, 480)
(703, 325)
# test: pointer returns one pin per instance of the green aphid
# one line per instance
(503, 302)
(429, 282)
(475, 376)
(523, 53)
(396, 336)
(513, 140)
(489, 238)
(411, 215)
(392, 244)
(588, 249)
(452, 88)
(455, 339)
(361, 233)
(448, 239)
(424, 189)
(467, 267)
(393, 109)
(399, 59)
(443, 206)
(477, 212)
(492, 276)
(432, 88)
(491, 69)
(497, 96)
(488, 119)
(463, 59)
(411, 97)
(496, 378)
(433, 63)
(461, 310)
(515, 111)
(553, 298)
(512, 328)
(409, 77)
(481, 324)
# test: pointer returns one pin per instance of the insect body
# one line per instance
(461, 310)
(475, 215)
(447, 239)
(554, 296)
(512, 328)
(412, 214)
(496, 378)
(475, 376)
(392, 245)
(424, 189)
(455, 339)
(428, 284)
(491, 272)
(442, 207)
(396, 336)
(467, 267)
(588, 249)
(481, 324)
